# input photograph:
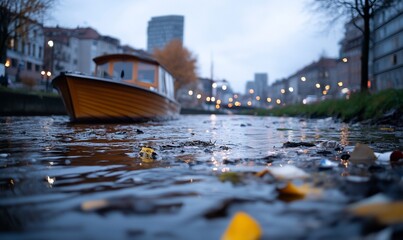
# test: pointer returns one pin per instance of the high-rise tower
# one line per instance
(162, 30)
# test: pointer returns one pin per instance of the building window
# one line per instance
(29, 66)
(394, 59)
(37, 68)
(40, 52)
(14, 62)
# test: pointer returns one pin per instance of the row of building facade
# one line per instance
(47, 51)
(322, 79)
(338, 77)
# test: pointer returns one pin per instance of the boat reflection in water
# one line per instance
(127, 87)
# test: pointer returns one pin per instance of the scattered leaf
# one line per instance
(292, 192)
(288, 172)
(147, 154)
(362, 154)
(262, 173)
(387, 129)
(232, 177)
(383, 212)
(242, 227)
(94, 205)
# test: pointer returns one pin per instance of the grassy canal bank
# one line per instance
(385, 107)
(378, 108)
(19, 102)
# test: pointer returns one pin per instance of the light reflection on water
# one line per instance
(51, 169)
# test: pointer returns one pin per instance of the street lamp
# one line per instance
(49, 73)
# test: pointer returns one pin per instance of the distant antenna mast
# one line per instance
(212, 67)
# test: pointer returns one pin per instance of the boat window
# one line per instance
(122, 70)
(170, 85)
(161, 84)
(102, 70)
(146, 72)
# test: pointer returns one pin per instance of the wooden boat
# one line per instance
(125, 87)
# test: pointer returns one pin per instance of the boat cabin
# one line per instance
(142, 71)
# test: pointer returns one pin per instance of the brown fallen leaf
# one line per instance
(242, 227)
(384, 212)
(262, 173)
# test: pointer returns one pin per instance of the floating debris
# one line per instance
(326, 164)
(396, 156)
(362, 153)
(242, 227)
(297, 144)
(287, 172)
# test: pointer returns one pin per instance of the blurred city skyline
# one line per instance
(238, 38)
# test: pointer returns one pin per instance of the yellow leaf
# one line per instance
(292, 190)
(384, 212)
(242, 227)
(147, 154)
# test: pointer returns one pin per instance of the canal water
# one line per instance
(101, 181)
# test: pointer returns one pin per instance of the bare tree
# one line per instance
(356, 11)
(16, 18)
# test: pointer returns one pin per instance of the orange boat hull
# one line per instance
(92, 99)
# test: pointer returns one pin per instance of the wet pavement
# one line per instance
(76, 181)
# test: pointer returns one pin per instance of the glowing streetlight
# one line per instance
(258, 98)
(214, 85)
(190, 92)
(8, 63)
(278, 101)
(340, 84)
(50, 43)
(344, 59)
(303, 79)
(199, 96)
(282, 90)
(268, 100)
(224, 87)
(291, 89)
(317, 85)
(251, 91)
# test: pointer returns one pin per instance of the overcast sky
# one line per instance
(241, 38)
